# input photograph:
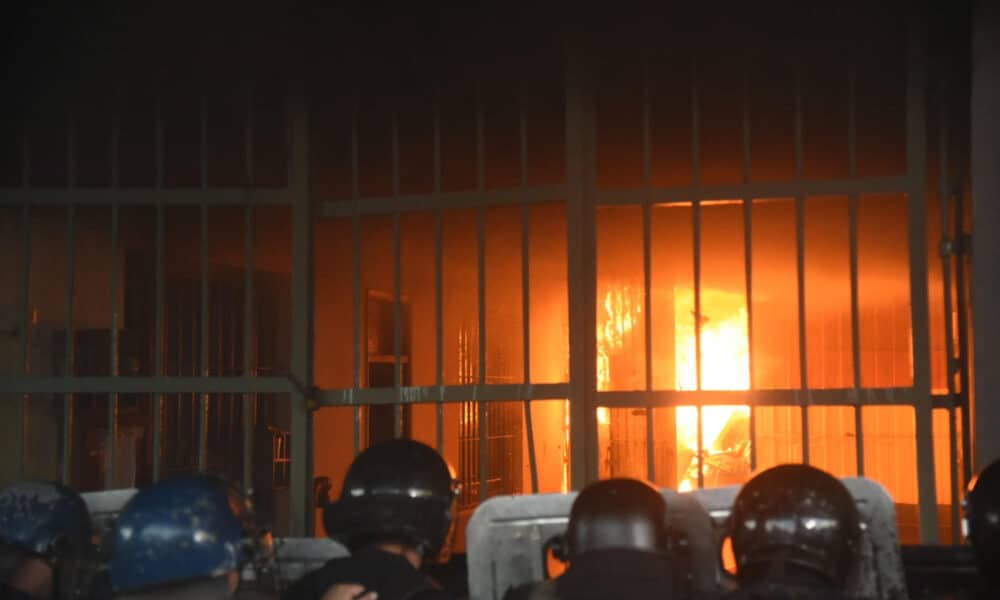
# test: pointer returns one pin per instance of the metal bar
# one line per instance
(397, 311)
(916, 170)
(158, 345)
(785, 397)
(495, 392)
(683, 195)
(151, 196)
(852, 112)
(71, 150)
(859, 444)
(70, 360)
(483, 429)
(526, 334)
(115, 150)
(581, 259)
(356, 273)
(696, 226)
(944, 193)
(798, 122)
(963, 333)
(203, 141)
(800, 266)
(203, 400)
(249, 353)
(445, 200)
(301, 512)
(438, 282)
(167, 384)
(397, 308)
(647, 180)
(25, 155)
(748, 255)
(158, 145)
(112, 442)
(249, 321)
(25, 336)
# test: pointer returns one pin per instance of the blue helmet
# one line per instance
(45, 519)
(179, 530)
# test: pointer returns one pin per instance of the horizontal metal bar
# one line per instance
(445, 200)
(143, 196)
(827, 397)
(734, 191)
(451, 393)
(146, 385)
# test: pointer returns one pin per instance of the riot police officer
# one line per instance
(394, 515)
(46, 534)
(187, 537)
(795, 534)
(616, 545)
(982, 527)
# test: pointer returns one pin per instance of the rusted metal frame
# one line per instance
(852, 162)
(963, 332)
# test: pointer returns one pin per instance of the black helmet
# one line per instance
(400, 490)
(795, 516)
(615, 514)
(982, 518)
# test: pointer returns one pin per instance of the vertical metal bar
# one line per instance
(947, 252)
(300, 509)
(916, 170)
(963, 332)
(397, 304)
(249, 348)
(203, 399)
(581, 260)
(852, 111)
(483, 429)
(800, 267)
(647, 259)
(71, 174)
(859, 444)
(158, 345)
(356, 273)
(748, 260)
(249, 353)
(438, 282)
(203, 140)
(70, 360)
(526, 334)
(696, 244)
(158, 141)
(26, 325)
(397, 311)
(113, 398)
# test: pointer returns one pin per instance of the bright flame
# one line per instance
(725, 365)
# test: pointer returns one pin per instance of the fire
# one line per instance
(725, 365)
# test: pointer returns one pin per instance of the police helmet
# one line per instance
(181, 530)
(982, 518)
(614, 514)
(399, 490)
(795, 516)
(50, 521)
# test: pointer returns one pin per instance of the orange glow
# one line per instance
(725, 365)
